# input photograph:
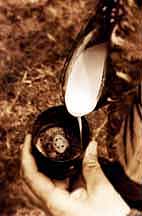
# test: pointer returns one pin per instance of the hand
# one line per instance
(98, 199)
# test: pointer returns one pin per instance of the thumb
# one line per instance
(92, 171)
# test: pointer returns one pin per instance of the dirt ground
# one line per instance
(35, 38)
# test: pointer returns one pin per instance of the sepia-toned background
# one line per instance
(35, 38)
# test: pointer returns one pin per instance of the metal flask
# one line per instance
(72, 144)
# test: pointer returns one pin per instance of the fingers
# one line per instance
(27, 160)
(35, 179)
(79, 194)
(55, 198)
(92, 171)
(31, 199)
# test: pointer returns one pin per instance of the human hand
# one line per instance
(98, 198)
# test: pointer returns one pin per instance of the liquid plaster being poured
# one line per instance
(85, 81)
